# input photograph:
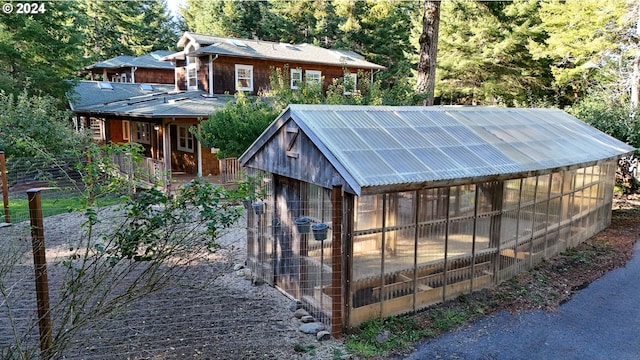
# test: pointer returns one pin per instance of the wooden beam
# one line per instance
(336, 261)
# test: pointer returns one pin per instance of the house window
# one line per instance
(126, 130)
(97, 129)
(313, 76)
(296, 78)
(185, 139)
(350, 83)
(192, 76)
(244, 77)
(192, 69)
(142, 132)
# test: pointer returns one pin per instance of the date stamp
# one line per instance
(24, 8)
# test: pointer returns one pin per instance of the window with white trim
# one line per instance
(185, 139)
(350, 83)
(126, 130)
(192, 69)
(313, 76)
(296, 78)
(244, 77)
(142, 132)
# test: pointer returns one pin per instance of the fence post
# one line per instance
(336, 261)
(5, 187)
(40, 266)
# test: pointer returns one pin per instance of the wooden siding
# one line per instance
(303, 160)
(154, 76)
(210, 163)
(224, 73)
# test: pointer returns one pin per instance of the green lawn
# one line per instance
(52, 204)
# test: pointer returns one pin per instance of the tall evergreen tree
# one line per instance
(126, 28)
(582, 38)
(39, 51)
(242, 19)
(484, 59)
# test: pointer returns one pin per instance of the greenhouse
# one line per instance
(371, 211)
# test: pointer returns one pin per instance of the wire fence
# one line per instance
(205, 306)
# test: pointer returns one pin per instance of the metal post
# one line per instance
(5, 187)
(40, 267)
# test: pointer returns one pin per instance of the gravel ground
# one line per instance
(212, 313)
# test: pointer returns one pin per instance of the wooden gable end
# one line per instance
(290, 153)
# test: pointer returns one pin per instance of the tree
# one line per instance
(582, 37)
(125, 28)
(428, 51)
(234, 128)
(39, 51)
(35, 126)
(241, 19)
(483, 56)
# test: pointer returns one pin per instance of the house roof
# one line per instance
(149, 61)
(390, 147)
(259, 49)
(142, 100)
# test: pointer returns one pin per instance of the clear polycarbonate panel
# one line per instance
(480, 141)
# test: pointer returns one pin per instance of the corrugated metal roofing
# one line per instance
(385, 146)
(149, 61)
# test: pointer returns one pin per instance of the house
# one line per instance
(377, 211)
(217, 65)
(147, 68)
(135, 101)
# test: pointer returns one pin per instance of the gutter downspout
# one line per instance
(211, 60)
(199, 152)
(133, 74)
(371, 83)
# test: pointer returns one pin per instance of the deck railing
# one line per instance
(149, 172)
(230, 170)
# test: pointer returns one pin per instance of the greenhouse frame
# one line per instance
(374, 211)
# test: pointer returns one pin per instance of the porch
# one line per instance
(150, 172)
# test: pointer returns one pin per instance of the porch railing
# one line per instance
(148, 171)
(230, 170)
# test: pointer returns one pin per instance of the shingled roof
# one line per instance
(259, 49)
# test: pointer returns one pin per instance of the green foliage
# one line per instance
(483, 56)
(125, 28)
(377, 337)
(34, 126)
(39, 51)
(610, 112)
(234, 128)
(581, 37)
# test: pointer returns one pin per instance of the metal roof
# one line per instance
(149, 61)
(259, 49)
(374, 146)
(135, 100)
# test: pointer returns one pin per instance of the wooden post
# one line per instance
(5, 187)
(336, 262)
(40, 266)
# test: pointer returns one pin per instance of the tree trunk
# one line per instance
(635, 76)
(428, 51)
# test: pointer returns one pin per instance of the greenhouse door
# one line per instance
(288, 207)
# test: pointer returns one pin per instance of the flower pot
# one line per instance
(247, 204)
(258, 207)
(320, 231)
(303, 224)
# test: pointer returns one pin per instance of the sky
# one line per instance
(173, 6)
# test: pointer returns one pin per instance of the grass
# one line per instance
(53, 204)
(378, 337)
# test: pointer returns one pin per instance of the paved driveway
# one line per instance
(600, 322)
